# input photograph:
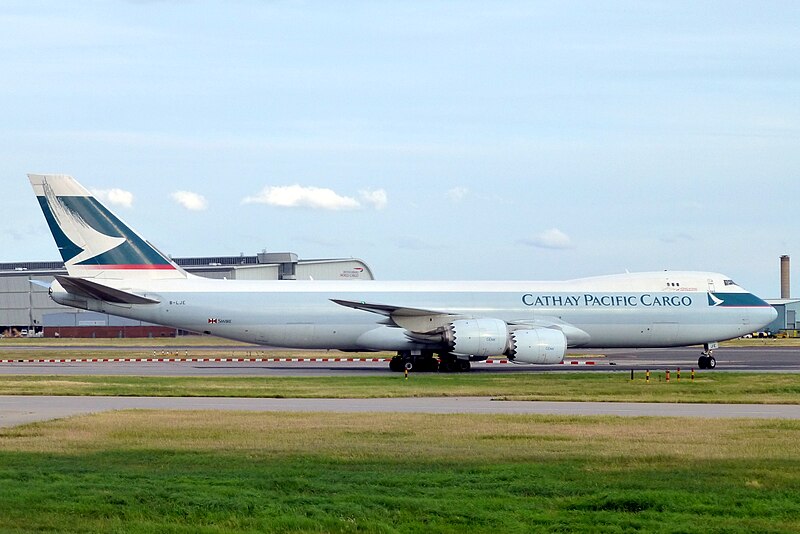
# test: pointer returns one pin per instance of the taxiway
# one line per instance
(757, 359)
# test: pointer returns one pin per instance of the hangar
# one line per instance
(27, 310)
(786, 322)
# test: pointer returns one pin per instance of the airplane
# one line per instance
(112, 269)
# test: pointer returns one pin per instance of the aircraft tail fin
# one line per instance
(94, 242)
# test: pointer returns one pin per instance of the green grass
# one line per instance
(146, 471)
(179, 341)
(763, 342)
(575, 386)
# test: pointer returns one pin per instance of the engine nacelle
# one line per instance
(478, 337)
(537, 346)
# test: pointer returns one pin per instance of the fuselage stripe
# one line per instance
(130, 267)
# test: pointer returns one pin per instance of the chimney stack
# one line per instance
(785, 292)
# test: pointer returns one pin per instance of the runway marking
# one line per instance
(191, 360)
(565, 362)
(248, 360)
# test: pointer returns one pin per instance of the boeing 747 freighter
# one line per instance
(111, 269)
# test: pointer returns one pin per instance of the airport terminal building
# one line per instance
(26, 308)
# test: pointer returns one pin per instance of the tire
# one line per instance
(396, 364)
(712, 362)
(448, 365)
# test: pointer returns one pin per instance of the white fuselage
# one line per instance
(628, 310)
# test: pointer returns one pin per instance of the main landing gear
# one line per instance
(426, 361)
(421, 361)
(707, 361)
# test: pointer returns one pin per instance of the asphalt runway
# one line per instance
(758, 359)
(17, 410)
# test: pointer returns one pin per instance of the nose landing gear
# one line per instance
(707, 361)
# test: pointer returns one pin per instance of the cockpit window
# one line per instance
(730, 283)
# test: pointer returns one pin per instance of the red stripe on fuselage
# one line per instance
(128, 267)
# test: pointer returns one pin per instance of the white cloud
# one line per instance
(118, 197)
(552, 238)
(190, 201)
(377, 199)
(457, 194)
(297, 196)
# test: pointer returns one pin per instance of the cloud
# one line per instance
(190, 201)
(377, 199)
(118, 197)
(552, 238)
(297, 196)
(457, 194)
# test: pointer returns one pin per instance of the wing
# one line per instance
(428, 325)
(415, 320)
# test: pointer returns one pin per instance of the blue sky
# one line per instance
(434, 140)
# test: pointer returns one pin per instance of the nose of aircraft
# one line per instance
(764, 315)
(772, 314)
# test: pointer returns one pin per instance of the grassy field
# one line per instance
(762, 342)
(575, 386)
(180, 341)
(147, 471)
(132, 352)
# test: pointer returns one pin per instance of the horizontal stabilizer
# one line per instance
(86, 288)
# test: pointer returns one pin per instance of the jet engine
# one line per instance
(477, 337)
(481, 338)
(537, 345)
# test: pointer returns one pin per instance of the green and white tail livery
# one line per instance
(93, 242)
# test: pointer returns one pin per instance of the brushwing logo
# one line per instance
(80, 233)
(91, 237)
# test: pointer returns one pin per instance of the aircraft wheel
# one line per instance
(428, 364)
(712, 362)
(396, 364)
(448, 364)
(701, 362)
